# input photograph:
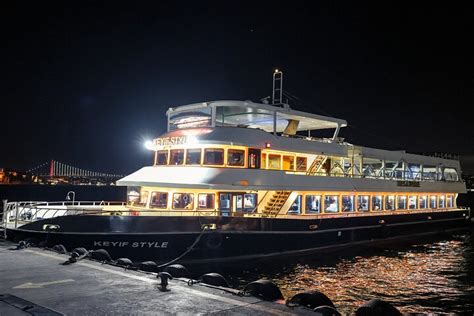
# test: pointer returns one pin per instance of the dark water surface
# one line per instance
(432, 275)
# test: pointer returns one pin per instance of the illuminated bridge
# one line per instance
(57, 170)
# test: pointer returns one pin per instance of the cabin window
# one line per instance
(313, 204)
(376, 203)
(264, 161)
(430, 173)
(193, 156)
(295, 208)
(401, 202)
(159, 200)
(133, 196)
(250, 202)
(442, 201)
(214, 156)
(176, 156)
(413, 171)
(389, 202)
(235, 157)
(162, 157)
(301, 163)
(423, 201)
(363, 203)
(206, 200)
(331, 204)
(289, 163)
(274, 162)
(347, 203)
(432, 201)
(449, 201)
(412, 202)
(450, 174)
(183, 201)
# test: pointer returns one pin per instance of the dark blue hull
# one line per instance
(162, 238)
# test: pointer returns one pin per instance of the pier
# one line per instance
(33, 280)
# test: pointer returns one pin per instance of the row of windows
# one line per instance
(197, 156)
(365, 203)
(205, 201)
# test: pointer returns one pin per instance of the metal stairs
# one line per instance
(275, 203)
(316, 165)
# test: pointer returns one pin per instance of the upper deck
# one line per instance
(270, 118)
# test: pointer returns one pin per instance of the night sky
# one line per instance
(87, 83)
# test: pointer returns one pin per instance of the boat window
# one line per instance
(289, 163)
(235, 157)
(401, 202)
(183, 201)
(423, 201)
(224, 203)
(214, 156)
(450, 174)
(432, 201)
(264, 161)
(376, 203)
(331, 204)
(372, 168)
(449, 201)
(389, 202)
(412, 202)
(133, 195)
(301, 163)
(429, 173)
(176, 156)
(442, 201)
(162, 157)
(274, 162)
(159, 199)
(390, 167)
(413, 171)
(295, 208)
(206, 200)
(313, 204)
(363, 203)
(348, 203)
(250, 202)
(193, 156)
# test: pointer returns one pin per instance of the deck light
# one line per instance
(268, 145)
(149, 145)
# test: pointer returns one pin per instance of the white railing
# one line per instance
(18, 213)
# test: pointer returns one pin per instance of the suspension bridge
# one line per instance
(57, 170)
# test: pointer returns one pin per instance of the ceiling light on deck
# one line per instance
(268, 145)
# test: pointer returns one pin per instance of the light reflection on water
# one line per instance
(435, 276)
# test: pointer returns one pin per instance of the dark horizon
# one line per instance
(87, 85)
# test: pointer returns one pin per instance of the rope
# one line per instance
(205, 227)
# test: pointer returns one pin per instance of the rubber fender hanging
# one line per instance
(214, 279)
(124, 262)
(311, 299)
(214, 240)
(59, 248)
(100, 255)
(80, 251)
(264, 289)
(325, 310)
(377, 307)
(177, 271)
(149, 266)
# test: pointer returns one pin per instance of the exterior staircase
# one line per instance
(275, 203)
(316, 165)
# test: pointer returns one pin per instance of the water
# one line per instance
(432, 275)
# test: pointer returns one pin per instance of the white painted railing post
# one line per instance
(16, 214)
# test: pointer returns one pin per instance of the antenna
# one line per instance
(277, 87)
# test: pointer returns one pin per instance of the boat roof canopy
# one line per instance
(270, 118)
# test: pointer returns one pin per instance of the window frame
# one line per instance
(244, 155)
(207, 208)
(183, 209)
(156, 207)
(176, 150)
(186, 156)
(213, 149)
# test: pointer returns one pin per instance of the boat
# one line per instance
(239, 180)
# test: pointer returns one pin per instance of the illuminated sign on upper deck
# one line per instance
(170, 141)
